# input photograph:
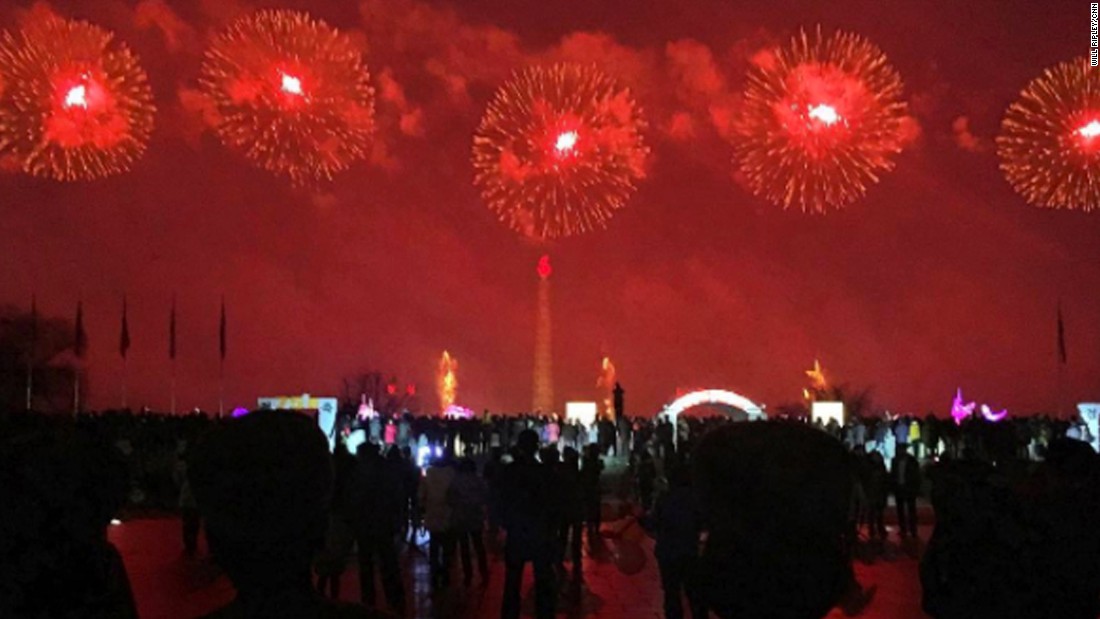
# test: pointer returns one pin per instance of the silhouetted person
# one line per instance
(437, 519)
(58, 493)
(776, 500)
(1015, 541)
(467, 497)
(375, 503)
(905, 479)
(332, 560)
(591, 468)
(677, 522)
(263, 483)
(190, 519)
(647, 478)
(529, 518)
(571, 526)
(410, 486)
(875, 486)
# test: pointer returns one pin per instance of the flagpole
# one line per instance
(173, 407)
(30, 380)
(125, 375)
(221, 387)
(32, 351)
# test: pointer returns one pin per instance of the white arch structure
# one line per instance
(721, 397)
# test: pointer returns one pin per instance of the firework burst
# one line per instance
(1050, 138)
(559, 150)
(74, 104)
(292, 94)
(821, 121)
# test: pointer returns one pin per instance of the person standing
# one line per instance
(677, 523)
(906, 478)
(189, 510)
(375, 494)
(467, 498)
(591, 468)
(568, 482)
(437, 519)
(529, 518)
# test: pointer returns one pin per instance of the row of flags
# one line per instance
(80, 341)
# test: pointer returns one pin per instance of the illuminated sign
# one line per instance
(326, 411)
(827, 411)
(584, 412)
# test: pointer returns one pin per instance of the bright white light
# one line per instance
(115, 522)
(77, 97)
(826, 411)
(1090, 130)
(824, 113)
(566, 141)
(291, 84)
(584, 412)
(714, 396)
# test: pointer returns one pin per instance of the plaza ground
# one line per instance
(168, 585)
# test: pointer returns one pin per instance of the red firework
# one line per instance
(292, 94)
(74, 104)
(821, 122)
(559, 150)
(1050, 138)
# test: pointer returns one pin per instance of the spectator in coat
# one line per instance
(467, 497)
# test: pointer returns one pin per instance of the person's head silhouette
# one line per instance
(263, 484)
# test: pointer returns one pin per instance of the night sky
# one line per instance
(942, 277)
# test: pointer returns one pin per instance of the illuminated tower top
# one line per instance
(543, 269)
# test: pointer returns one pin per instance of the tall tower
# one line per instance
(543, 399)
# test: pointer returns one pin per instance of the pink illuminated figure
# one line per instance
(959, 410)
(992, 416)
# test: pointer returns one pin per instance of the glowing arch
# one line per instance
(720, 397)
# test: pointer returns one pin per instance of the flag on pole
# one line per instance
(221, 332)
(124, 336)
(1061, 336)
(80, 345)
(34, 328)
(172, 332)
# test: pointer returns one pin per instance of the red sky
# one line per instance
(941, 278)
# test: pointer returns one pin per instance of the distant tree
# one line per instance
(46, 345)
(389, 396)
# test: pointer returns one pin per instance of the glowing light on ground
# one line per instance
(825, 114)
(606, 384)
(77, 97)
(447, 381)
(455, 411)
(566, 142)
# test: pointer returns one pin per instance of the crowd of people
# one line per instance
(750, 519)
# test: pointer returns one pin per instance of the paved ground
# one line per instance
(168, 586)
